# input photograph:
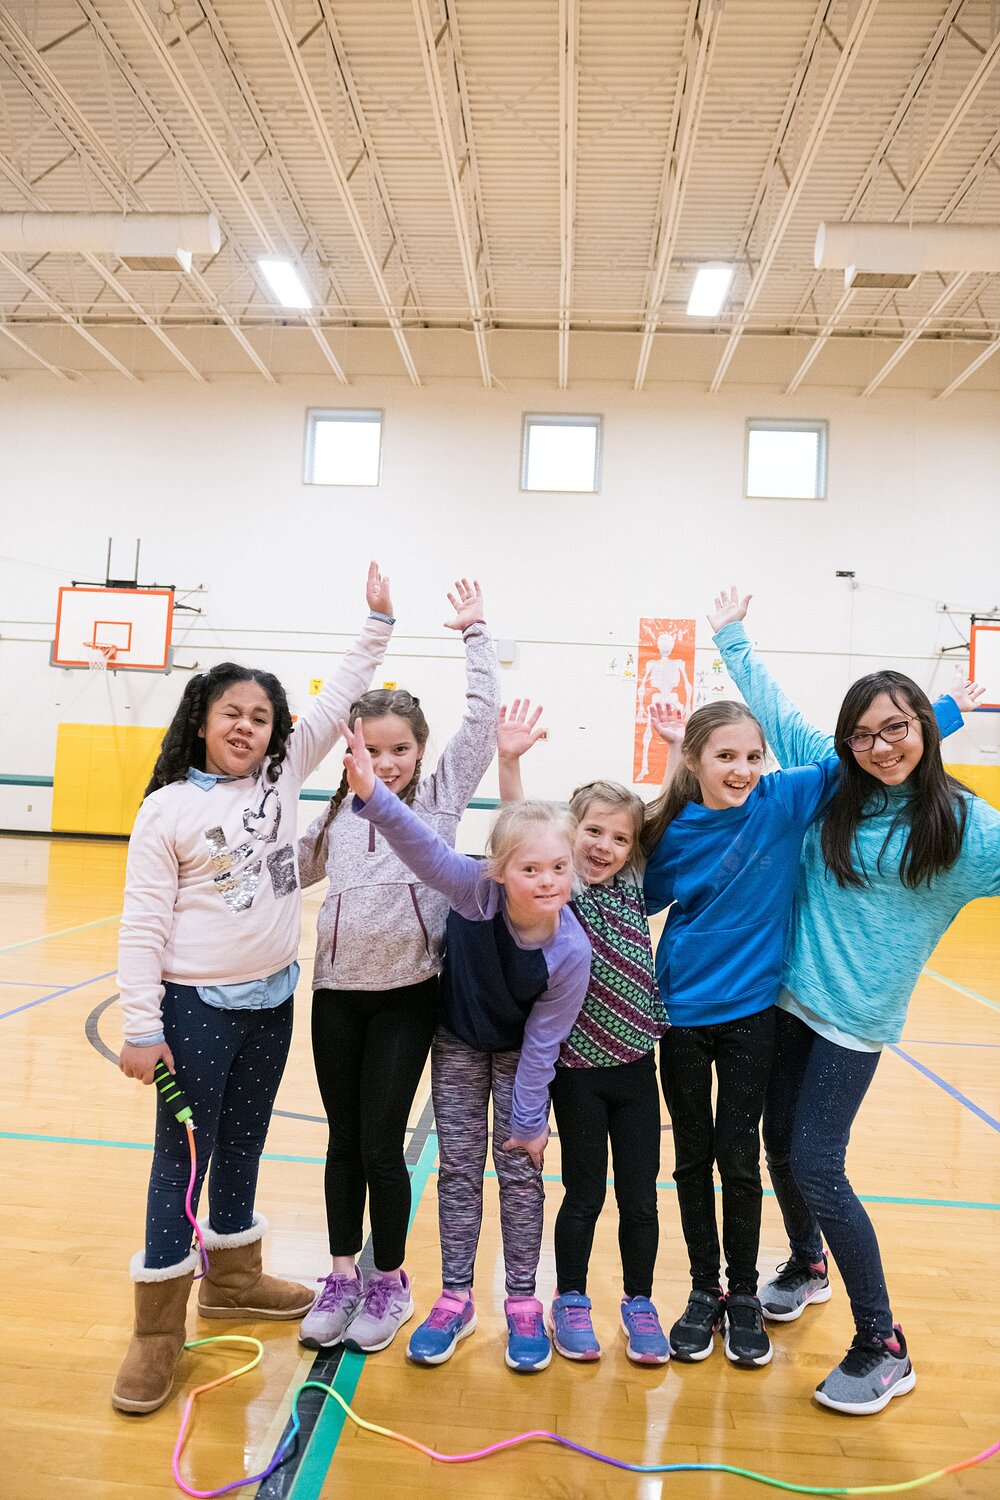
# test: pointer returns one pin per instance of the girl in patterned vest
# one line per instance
(605, 1085)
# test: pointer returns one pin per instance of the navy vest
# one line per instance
(488, 984)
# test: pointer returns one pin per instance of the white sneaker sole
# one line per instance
(868, 1408)
(822, 1294)
(357, 1348)
(440, 1359)
(744, 1362)
(527, 1369)
(688, 1357)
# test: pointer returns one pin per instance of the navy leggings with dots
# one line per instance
(229, 1064)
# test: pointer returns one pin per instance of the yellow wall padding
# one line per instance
(983, 780)
(100, 776)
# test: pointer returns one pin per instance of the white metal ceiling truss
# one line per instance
(449, 175)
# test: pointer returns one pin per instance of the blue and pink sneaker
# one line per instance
(452, 1318)
(572, 1331)
(528, 1347)
(647, 1343)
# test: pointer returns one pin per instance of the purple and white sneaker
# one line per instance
(385, 1307)
(324, 1324)
(452, 1318)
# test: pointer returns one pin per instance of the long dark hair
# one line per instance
(934, 814)
(684, 784)
(183, 746)
(379, 704)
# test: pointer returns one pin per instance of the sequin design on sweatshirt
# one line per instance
(261, 823)
(237, 890)
(281, 868)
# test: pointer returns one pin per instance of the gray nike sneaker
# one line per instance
(795, 1286)
(324, 1325)
(868, 1377)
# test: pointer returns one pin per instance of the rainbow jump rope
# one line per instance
(173, 1096)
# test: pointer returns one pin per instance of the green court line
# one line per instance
(422, 1171)
(47, 937)
(962, 989)
(316, 1460)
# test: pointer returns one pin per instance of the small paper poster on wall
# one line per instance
(665, 675)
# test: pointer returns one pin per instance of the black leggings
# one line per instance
(741, 1051)
(593, 1105)
(370, 1047)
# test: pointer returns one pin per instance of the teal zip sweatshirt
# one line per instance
(854, 955)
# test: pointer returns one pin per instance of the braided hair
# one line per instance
(379, 704)
(183, 746)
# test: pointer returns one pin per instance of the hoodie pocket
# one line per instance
(420, 919)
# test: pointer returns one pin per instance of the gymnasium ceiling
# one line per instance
(495, 189)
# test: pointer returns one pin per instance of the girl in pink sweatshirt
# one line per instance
(209, 936)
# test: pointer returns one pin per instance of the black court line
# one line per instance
(324, 1366)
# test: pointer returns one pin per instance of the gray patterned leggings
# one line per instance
(462, 1081)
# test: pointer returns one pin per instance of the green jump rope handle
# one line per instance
(171, 1092)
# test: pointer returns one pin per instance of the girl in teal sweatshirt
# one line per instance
(898, 852)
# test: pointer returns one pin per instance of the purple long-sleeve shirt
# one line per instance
(498, 993)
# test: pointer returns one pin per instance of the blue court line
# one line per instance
(962, 989)
(948, 1088)
(67, 989)
(318, 1161)
(27, 984)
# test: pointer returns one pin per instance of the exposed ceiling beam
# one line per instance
(210, 139)
(704, 19)
(971, 369)
(33, 353)
(863, 17)
(927, 163)
(330, 156)
(44, 295)
(915, 332)
(430, 38)
(569, 71)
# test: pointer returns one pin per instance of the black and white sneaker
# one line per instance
(747, 1342)
(691, 1337)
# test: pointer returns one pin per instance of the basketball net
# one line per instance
(99, 655)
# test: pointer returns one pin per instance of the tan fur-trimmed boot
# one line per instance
(235, 1285)
(146, 1377)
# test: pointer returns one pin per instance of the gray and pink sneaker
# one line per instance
(385, 1307)
(324, 1324)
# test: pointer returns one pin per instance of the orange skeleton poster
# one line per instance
(665, 675)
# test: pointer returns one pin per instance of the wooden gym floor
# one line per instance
(74, 1142)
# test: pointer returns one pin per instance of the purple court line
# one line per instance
(66, 990)
(27, 984)
(912, 1041)
(948, 1088)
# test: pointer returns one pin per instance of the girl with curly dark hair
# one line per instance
(209, 935)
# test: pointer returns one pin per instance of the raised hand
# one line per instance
(965, 692)
(467, 602)
(357, 761)
(377, 590)
(668, 722)
(516, 731)
(729, 608)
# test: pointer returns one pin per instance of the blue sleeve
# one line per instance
(793, 739)
(805, 790)
(656, 887)
(981, 848)
(548, 1025)
(462, 879)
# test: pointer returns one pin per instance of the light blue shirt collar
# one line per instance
(207, 779)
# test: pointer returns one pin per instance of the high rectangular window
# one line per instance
(561, 453)
(343, 446)
(786, 460)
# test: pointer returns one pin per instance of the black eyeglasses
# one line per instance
(890, 733)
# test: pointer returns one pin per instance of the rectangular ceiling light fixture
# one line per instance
(286, 283)
(711, 287)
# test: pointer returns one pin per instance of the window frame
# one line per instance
(562, 419)
(819, 425)
(315, 414)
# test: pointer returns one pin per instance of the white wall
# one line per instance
(210, 479)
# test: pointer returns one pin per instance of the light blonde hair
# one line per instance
(513, 824)
(613, 794)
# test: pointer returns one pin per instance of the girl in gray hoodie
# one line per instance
(375, 985)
